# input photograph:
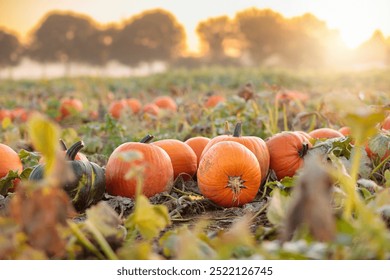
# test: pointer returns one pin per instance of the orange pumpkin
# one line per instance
(289, 95)
(4, 113)
(116, 108)
(255, 144)
(198, 144)
(183, 158)
(19, 114)
(325, 133)
(9, 160)
(151, 109)
(304, 134)
(345, 130)
(134, 104)
(166, 103)
(213, 101)
(386, 123)
(157, 171)
(229, 174)
(70, 106)
(287, 150)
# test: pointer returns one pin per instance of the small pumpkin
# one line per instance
(9, 160)
(166, 103)
(213, 101)
(157, 174)
(4, 113)
(287, 150)
(386, 123)
(345, 130)
(134, 104)
(255, 144)
(19, 114)
(197, 144)
(116, 108)
(88, 184)
(229, 174)
(325, 133)
(183, 158)
(151, 109)
(70, 106)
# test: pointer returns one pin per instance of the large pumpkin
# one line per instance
(197, 144)
(9, 160)
(229, 174)
(325, 133)
(183, 158)
(87, 187)
(157, 173)
(287, 150)
(255, 144)
(165, 102)
(70, 106)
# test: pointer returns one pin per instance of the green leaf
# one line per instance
(277, 209)
(148, 219)
(104, 218)
(7, 182)
(387, 178)
(29, 159)
(379, 144)
(44, 135)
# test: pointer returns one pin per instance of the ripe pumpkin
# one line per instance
(386, 123)
(19, 114)
(289, 95)
(116, 108)
(345, 130)
(134, 104)
(287, 150)
(198, 144)
(325, 133)
(70, 106)
(157, 174)
(151, 109)
(213, 101)
(4, 113)
(88, 185)
(229, 174)
(304, 134)
(9, 160)
(255, 144)
(183, 158)
(165, 102)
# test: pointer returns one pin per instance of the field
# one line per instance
(337, 206)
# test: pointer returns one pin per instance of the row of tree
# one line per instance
(253, 37)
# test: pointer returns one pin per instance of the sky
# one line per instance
(356, 20)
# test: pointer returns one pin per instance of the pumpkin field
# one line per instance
(209, 163)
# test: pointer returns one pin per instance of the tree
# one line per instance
(10, 49)
(219, 37)
(65, 38)
(151, 36)
(264, 32)
(374, 50)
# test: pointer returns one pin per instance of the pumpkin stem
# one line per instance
(303, 151)
(63, 145)
(237, 130)
(235, 183)
(147, 139)
(74, 149)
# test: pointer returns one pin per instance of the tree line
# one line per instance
(253, 37)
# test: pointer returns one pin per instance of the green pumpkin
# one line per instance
(88, 185)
